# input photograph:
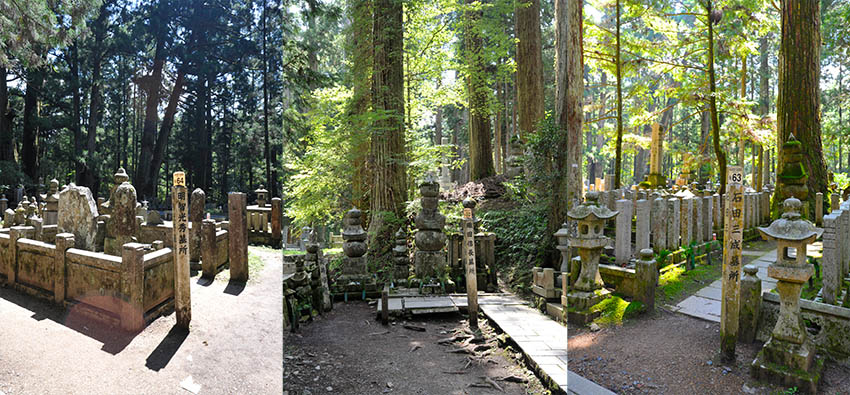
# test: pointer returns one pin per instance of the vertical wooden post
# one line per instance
(133, 286)
(238, 251)
(64, 241)
(276, 219)
(732, 260)
(469, 259)
(182, 298)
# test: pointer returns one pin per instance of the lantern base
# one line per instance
(788, 365)
(579, 303)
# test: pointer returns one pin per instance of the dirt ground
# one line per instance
(234, 344)
(347, 351)
(670, 353)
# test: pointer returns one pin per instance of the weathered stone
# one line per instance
(659, 223)
(646, 275)
(209, 264)
(830, 263)
(277, 219)
(196, 215)
(78, 216)
(154, 218)
(673, 230)
(429, 259)
(51, 208)
(262, 196)
(750, 304)
(121, 227)
(696, 217)
(238, 236)
(707, 215)
(642, 219)
(686, 217)
(718, 213)
(623, 242)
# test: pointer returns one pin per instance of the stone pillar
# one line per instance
(685, 217)
(196, 215)
(4, 204)
(277, 219)
(718, 213)
(623, 242)
(238, 235)
(831, 264)
(401, 259)
(209, 264)
(673, 229)
(609, 183)
(642, 221)
(64, 241)
(834, 200)
(15, 233)
(133, 287)
(707, 215)
(845, 245)
(819, 209)
(51, 209)
(646, 275)
(697, 218)
(659, 224)
(750, 304)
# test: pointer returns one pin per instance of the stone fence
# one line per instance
(485, 260)
(836, 251)
(828, 325)
(650, 219)
(125, 291)
(265, 223)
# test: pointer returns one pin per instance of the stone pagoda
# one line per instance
(788, 358)
(588, 288)
(429, 259)
(354, 247)
(401, 260)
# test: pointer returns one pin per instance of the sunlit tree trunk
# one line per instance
(529, 63)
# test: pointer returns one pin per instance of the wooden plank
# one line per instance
(732, 262)
(469, 259)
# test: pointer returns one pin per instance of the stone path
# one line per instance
(705, 304)
(542, 340)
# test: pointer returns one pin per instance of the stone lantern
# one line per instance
(788, 357)
(262, 196)
(563, 237)
(588, 288)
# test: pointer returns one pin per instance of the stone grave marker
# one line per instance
(732, 258)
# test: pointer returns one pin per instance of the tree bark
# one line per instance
(387, 148)
(712, 103)
(151, 84)
(498, 130)
(29, 152)
(618, 161)
(529, 72)
(360, 12)
(7, 151)
(96, 99)
(764, 106)
(480, 151)
(798, 102)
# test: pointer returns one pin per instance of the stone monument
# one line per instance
(588, 288)
(401, 260)
(791, 181)
(656, 178)
(51, 209)
(121, 227)
(78, 216)
(354, 246)
(429, 259)
(788, 357)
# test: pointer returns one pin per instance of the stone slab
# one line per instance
(702, 308)
(578, 385)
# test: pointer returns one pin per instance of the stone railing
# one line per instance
(836, 251)
(265, 223)
(485, 259)
(125, 291)
(650, 219)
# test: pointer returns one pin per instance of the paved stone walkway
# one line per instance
(542, 340)
(705, 304)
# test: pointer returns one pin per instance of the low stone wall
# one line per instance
(124, 291)
(829, 326)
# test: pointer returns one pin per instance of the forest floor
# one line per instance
(671, 353)
(234, 344)
(348, 351)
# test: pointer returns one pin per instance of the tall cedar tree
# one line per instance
(798, 102)
(529, 67)
(480, 150)
(389, 191)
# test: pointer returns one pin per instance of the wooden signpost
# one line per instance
(469, 259)
(182, 299)
(732, 262)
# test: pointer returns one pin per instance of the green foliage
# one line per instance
(661, 257)
(615, 309)
(519, 240)
(11, 176)
(381, 243)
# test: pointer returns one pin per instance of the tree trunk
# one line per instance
(764, 106)
(389, 188)
(618, 161)
(151, 84)
(96, 99)
(361, 59)
(266, 144)
(498, 131)
(29, 153)
(712, 104)
(529, 67)
(798, 102)
(7, 151)
(480, 151)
